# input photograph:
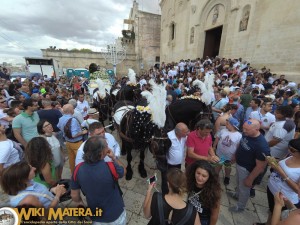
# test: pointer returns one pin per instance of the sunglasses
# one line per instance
(248, 122)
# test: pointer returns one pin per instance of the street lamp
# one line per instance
(114, 53)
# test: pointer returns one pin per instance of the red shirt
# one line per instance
(200, 145)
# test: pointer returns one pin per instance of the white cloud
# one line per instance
(28, 26)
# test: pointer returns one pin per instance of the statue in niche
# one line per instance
(192, 35)
(193, 7)
(215, 15)
(244, 21)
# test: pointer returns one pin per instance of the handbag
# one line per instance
(67, 195)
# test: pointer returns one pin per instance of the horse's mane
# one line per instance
(185, 110)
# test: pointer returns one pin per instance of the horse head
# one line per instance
(159, 147)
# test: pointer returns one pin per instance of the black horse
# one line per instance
(188, 111)
(104, 106)
(138, 132)
(129, 93)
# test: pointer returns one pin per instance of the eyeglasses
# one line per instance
(47, 125)
(292, 149)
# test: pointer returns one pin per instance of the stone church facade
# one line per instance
(141, 40)
(263, 32)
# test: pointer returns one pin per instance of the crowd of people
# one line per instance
(255, 122)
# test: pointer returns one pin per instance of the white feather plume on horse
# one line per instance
(157, 102)
(209, 83)
(206, 88)
(101, 88)
(131, 77)
(200, 85)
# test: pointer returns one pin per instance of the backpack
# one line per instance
(67, 129)
(112, 169)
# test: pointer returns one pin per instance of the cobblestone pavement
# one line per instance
(135, 190)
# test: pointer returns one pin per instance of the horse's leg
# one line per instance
(142, 170)
(129, 171)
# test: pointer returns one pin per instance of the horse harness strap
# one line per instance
(122, 135)
(174, 121)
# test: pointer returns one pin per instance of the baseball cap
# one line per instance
(234, 122)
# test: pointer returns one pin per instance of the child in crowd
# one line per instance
(226, 144)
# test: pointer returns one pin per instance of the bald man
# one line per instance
(175, 155)
(250, 162)
(72, 133)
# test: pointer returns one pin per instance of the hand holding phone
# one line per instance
(152, 179)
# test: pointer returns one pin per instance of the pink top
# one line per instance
(200, 145)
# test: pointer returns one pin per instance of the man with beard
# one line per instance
(25, 124)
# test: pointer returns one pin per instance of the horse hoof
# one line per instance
(142, 171)
(129, 174)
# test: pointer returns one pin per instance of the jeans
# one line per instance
(205, 221)
(242, 191)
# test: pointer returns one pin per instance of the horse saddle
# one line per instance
(121, 112)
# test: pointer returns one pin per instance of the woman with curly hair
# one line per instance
(38, 154)
(204, 191)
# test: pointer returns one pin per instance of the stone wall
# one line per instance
(265, 33)
(70, 59)
(147, 36)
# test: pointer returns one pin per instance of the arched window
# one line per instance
(172, 31)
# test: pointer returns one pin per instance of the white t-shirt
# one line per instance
(277, 131)
(176, 151)
(112, 144)
(81, 106)
(8, 153)
(2, 121)
(181, 66)
(266, 119)
(172, 73)
(260, 86)
(228, 143)
(276, 182)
